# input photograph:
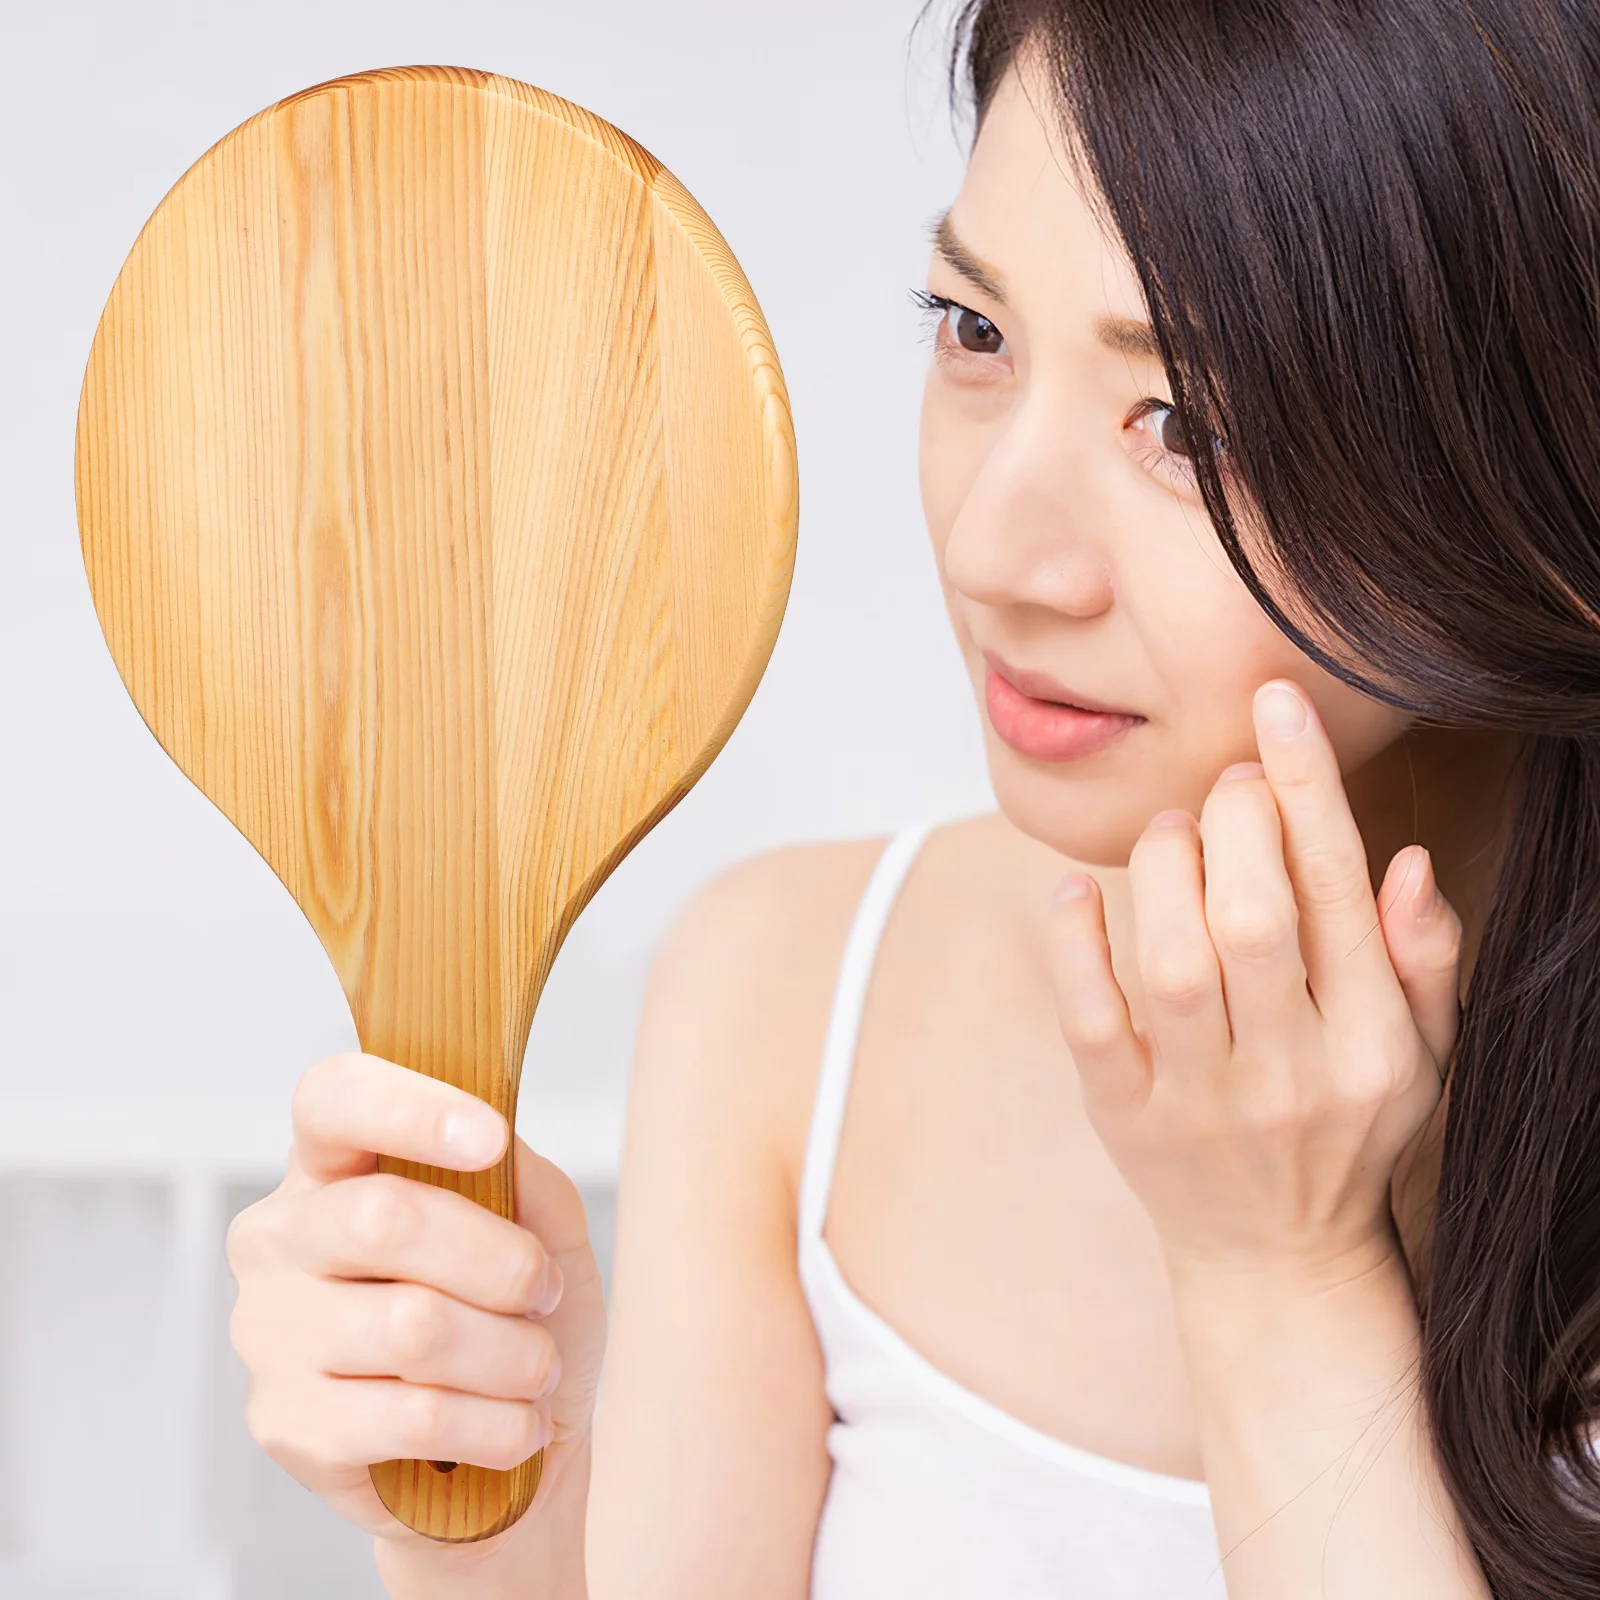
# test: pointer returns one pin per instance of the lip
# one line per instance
(1041, 686)
(1040, 717)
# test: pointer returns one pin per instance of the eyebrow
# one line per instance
(947, 242)
(1125, 335)
(1128, 336)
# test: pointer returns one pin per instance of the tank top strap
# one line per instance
(844, 1022)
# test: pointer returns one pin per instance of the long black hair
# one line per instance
(1368, 235)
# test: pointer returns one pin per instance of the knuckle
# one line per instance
(1252, 927)
(383, 1220)
(1371, 1079)
(259, 1419)
(314, 1427)
(1447, 942)
(1368, 1091)
(1326, 880)
(1093, 1029)
(1435, 959)
(246, 1244)
(421, 1418)
(270, 1423)
(418, 1325)
(241, 1332)
(273, 1327)
(1178, 976)
(345, 1432)
(1440, 964)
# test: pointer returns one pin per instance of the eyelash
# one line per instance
(1158, 455)
(936, 307)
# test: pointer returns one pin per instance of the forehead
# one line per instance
(1026, 207)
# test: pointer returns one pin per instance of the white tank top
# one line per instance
(935, 1493)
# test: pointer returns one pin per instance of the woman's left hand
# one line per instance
(1291, 1050)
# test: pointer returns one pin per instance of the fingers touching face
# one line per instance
(1273, 880)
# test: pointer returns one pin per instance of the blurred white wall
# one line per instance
(148, 959)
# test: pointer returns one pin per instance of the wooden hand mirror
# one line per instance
(436, 484)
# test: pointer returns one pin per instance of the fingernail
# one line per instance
(1425, 898)
(1241, 769)
(471, 1137)
(1281, 710)
(1072, 887)
(548, 1295)
(1171, 819)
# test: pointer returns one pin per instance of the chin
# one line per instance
(1089, 811)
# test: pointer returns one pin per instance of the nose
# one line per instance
(1027, 532)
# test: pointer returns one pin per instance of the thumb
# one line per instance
(1423, 933)
(549, 1204)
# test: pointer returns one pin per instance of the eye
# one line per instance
(973, 332)
(1170, 449)
(1168, 429)
(953, 326)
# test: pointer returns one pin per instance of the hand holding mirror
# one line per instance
(436, 484)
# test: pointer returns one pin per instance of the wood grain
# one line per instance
(437, 492)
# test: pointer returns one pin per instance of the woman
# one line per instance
(1180, 1228)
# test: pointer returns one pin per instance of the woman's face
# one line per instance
(1073, 548)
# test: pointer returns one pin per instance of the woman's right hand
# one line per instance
(383, 1318)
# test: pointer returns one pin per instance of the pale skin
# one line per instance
(1181, 1098)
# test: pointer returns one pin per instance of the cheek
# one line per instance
(1212, 644)
(950, 456)
(1218, 659)
(1211, 647)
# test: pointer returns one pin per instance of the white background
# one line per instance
(145, 951)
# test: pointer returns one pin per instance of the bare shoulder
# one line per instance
(782, 916)
(779, 918)
(737, 1003)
